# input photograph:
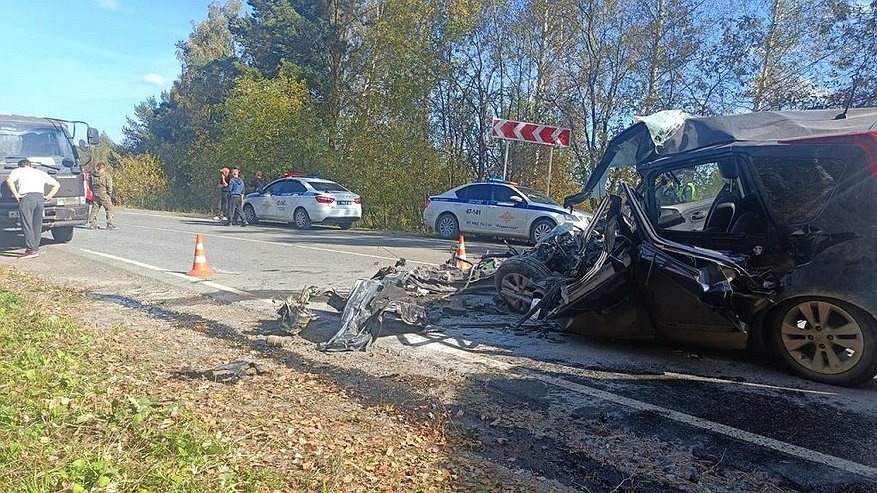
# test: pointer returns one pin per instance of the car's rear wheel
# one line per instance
(541, 228)
(301, 219)
(250, 214)
(826, 340)
(447, 226)
(62, 235)
(516, 280)
(345, 224)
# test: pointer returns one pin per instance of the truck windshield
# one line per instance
(39, 143)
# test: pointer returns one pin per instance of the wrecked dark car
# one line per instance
(746, 231)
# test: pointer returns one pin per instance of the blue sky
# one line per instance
(91, 60)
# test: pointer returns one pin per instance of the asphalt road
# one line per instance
(738, 411)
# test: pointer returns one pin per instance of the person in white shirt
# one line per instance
(28, 186)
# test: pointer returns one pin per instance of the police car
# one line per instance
(498, 208)
(303, 201)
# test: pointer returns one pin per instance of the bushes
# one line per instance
(139, 181)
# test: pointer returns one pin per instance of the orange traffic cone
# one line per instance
(199, 266)
(461, 255)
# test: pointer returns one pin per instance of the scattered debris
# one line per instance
(294, 313)
(403, 294)
(227, 373)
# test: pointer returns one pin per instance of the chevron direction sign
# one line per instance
(530, 132)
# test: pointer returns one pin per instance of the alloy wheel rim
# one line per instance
(822, 337)
(517, 291)
(541, 230)
(446, 227)
(299, 219)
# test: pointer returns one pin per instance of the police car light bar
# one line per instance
(495, 179)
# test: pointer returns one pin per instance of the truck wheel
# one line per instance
(62, 235)
(447, 226)
(515, 281)
(250, 214)
(826, 340)
(301, 219)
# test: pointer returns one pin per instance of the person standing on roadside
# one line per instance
(222, 198)
(258, 182)
(28, 185)
(236, 198)
(102, 191)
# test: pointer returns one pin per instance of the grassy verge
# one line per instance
(87, 407)
(67, 423)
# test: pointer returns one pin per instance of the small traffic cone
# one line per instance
(199, 266)
(461, 255)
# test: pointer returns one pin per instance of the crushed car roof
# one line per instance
(673, 132)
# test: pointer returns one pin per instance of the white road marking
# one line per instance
(211, 284)
(712, 426)
(291, 245)
(684, 418)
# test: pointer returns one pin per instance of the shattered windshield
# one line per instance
(537, 197)
(47, 145)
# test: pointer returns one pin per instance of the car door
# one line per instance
(694, 293)
(473, 212)
(263, 203)
(292, 196)
(508, 213)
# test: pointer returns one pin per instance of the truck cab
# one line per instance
(48, 144)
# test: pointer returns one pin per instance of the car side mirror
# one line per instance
(516, 199)
(83, 145)
(93, 136)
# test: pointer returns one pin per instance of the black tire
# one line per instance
(515, 278)
(63, 234)
(250, 214)
(345, 224)
(540, 228)
(819, 349)
(301, 219)
(447, 226)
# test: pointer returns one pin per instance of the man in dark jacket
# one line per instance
(102, 188)
(258, 182)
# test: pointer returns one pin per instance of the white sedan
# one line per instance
(302, 202)
(497, 208)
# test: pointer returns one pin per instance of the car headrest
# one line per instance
(728, 169)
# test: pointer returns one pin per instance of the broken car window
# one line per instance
(796, 189)
(686, 195)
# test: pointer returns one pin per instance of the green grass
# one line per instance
(67, 423)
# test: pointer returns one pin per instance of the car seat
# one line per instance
(726, 204)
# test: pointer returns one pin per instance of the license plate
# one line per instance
(344, 202)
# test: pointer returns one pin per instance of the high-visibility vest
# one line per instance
(681, 192)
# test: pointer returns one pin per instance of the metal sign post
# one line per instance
(505, 160)
(550, 158)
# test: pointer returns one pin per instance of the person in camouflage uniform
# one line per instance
(102, 188)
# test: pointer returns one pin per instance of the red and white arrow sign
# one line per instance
(530, 132)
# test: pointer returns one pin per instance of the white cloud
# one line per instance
(154, 79)
(109, 4)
